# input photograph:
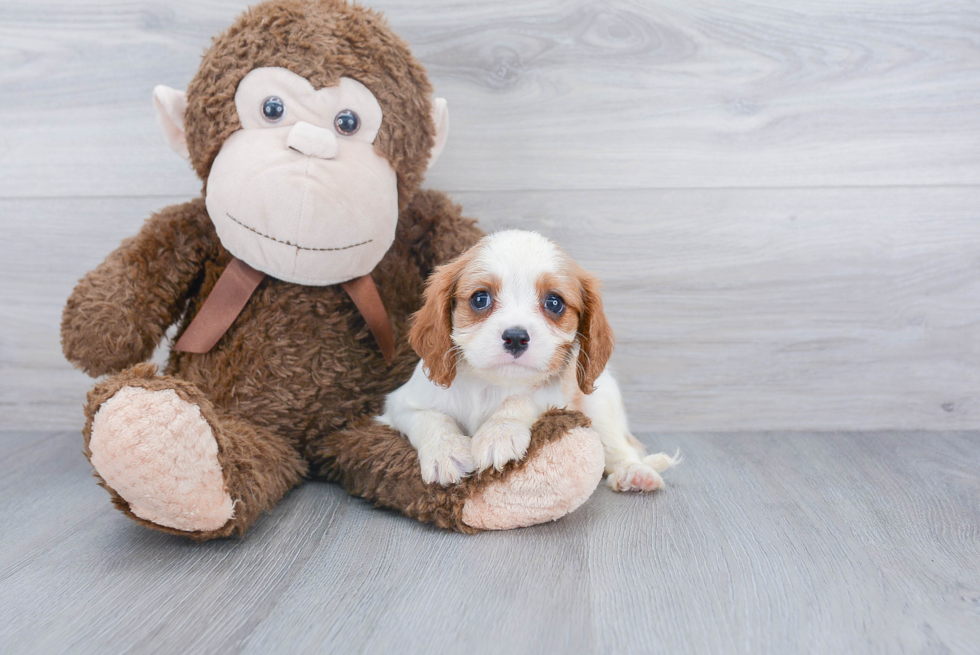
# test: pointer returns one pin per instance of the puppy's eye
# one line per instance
(554, 304)
(480, 300)
(347, 122)
(273, 109)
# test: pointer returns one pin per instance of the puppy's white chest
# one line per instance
(472, 401)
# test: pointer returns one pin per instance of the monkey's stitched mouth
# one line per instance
(294, 245)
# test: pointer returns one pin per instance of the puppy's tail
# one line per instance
(660, 462)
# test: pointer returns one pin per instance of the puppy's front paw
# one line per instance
(635, 476)
(498, 442)
(446, 460)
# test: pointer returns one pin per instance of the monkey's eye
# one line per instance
(554, 304)
(347, 122)
(480, 300)
(273, 109)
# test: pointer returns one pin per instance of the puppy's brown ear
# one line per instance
(432, 326)
(596, 339)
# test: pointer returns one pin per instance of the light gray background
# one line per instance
(783, 199)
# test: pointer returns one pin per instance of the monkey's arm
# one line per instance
(121, 310)
(435, 230)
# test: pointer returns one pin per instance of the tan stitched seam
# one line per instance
(286, 243)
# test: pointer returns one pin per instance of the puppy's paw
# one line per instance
(635, 476)
(447, 460)
(499, 442)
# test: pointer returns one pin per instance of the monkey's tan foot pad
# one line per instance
(560, 477)
(157, 452)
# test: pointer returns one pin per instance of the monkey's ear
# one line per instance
(170, 105)
(440, 116)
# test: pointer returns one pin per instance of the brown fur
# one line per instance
(258, 466)
(120, 311)
(569, 289)
(287, 388)
(298, 365)
(321, 40)
(596, 340)
(432, 326)
(352, 460)
(464, 317)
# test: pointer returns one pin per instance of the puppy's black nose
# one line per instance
(515, 341)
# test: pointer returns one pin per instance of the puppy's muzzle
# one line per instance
(516, 341)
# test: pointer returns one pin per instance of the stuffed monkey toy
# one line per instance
(292, 282)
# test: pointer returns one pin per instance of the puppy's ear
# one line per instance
(432, 326)
(596, 339)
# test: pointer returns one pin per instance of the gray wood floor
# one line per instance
(783, 199)
(762, 543)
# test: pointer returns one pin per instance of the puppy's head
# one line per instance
(517, 310)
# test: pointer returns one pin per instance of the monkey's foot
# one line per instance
(562, 468)
(553, 480)
(159, 454)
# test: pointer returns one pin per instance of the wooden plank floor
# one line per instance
(762, 543)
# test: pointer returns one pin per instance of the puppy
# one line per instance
(509, 329)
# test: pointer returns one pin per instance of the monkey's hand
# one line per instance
(121, 310)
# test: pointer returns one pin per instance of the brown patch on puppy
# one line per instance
(471, 281)
(584, 320)
(432, 326)
(596, 339)
(567, 288)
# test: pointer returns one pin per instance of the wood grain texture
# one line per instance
(543, 95)
(783, 199)
(762, 543)
(735, 309)
(768, 291)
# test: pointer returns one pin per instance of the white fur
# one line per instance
(484, 418)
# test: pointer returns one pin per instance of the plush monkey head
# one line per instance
(311, 125)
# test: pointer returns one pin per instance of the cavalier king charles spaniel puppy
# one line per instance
(509, 329)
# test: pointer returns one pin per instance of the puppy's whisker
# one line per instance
(581, 339)
(458, 352)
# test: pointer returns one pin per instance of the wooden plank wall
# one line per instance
(783, 197)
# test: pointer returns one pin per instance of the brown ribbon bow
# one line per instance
(237, 284)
